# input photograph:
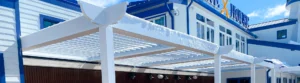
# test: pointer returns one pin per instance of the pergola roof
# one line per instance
(137, 42)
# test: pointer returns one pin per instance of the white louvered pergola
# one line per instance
(135, 42)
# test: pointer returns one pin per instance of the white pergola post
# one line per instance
(273, 76)
(107, 55)
(253, 71)
(217, 66)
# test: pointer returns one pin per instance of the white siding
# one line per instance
(285, 55)
(7, 28)
(30, 11)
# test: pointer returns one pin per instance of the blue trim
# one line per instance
(18, 34)
(188, 17)
(44, 17)
(274, 44)
(292, 21)
(8, 3)
(166, 24)
(291, 1)
(211, 9)
(137, 6)
(2, 68)
(72, 5)
(172, 16)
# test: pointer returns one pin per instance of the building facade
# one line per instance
(279, 39)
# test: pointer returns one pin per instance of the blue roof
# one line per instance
(272, 24)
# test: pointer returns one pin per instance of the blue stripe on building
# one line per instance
(8, 3)
(2, 69)
(274, 44)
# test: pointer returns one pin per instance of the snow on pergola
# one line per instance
(136, 42)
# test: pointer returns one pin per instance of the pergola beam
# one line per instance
(177, 61)
(226, 67)
(206, 65)
(138, 53)
(63, 31)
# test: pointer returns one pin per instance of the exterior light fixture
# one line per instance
(195, 77)
(160, 76)
(177, 77)
(188, 78)
(150, 76)
(166, 77)
(132, 75)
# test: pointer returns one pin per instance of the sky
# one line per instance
(262, 10)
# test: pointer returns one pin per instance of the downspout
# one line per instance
(188, 17)
(169, 11)
(268, 81)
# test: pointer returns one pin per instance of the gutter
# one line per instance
(188, 16)
(169, 11)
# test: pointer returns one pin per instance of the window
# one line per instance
(284, 80)
(222, 28)
(282, 34)
(46, 21)
(200, 18)
(240, 43)
(222, 39)
(225, 36)
(159, 20)
(237, 45)
(278, 80)
(208, 34)
(200, 30)
(211, 23)
(204, 31)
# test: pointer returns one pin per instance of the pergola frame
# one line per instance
(138, 28)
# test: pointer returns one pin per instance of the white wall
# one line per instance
(7, 28)
(30, 11)
(271, 34)
(180, 19)
(284, 55)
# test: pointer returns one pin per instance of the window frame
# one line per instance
(156, 17)
(227, 40)
(277, 34)
(49, 18)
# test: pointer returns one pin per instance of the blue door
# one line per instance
(239, 80)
